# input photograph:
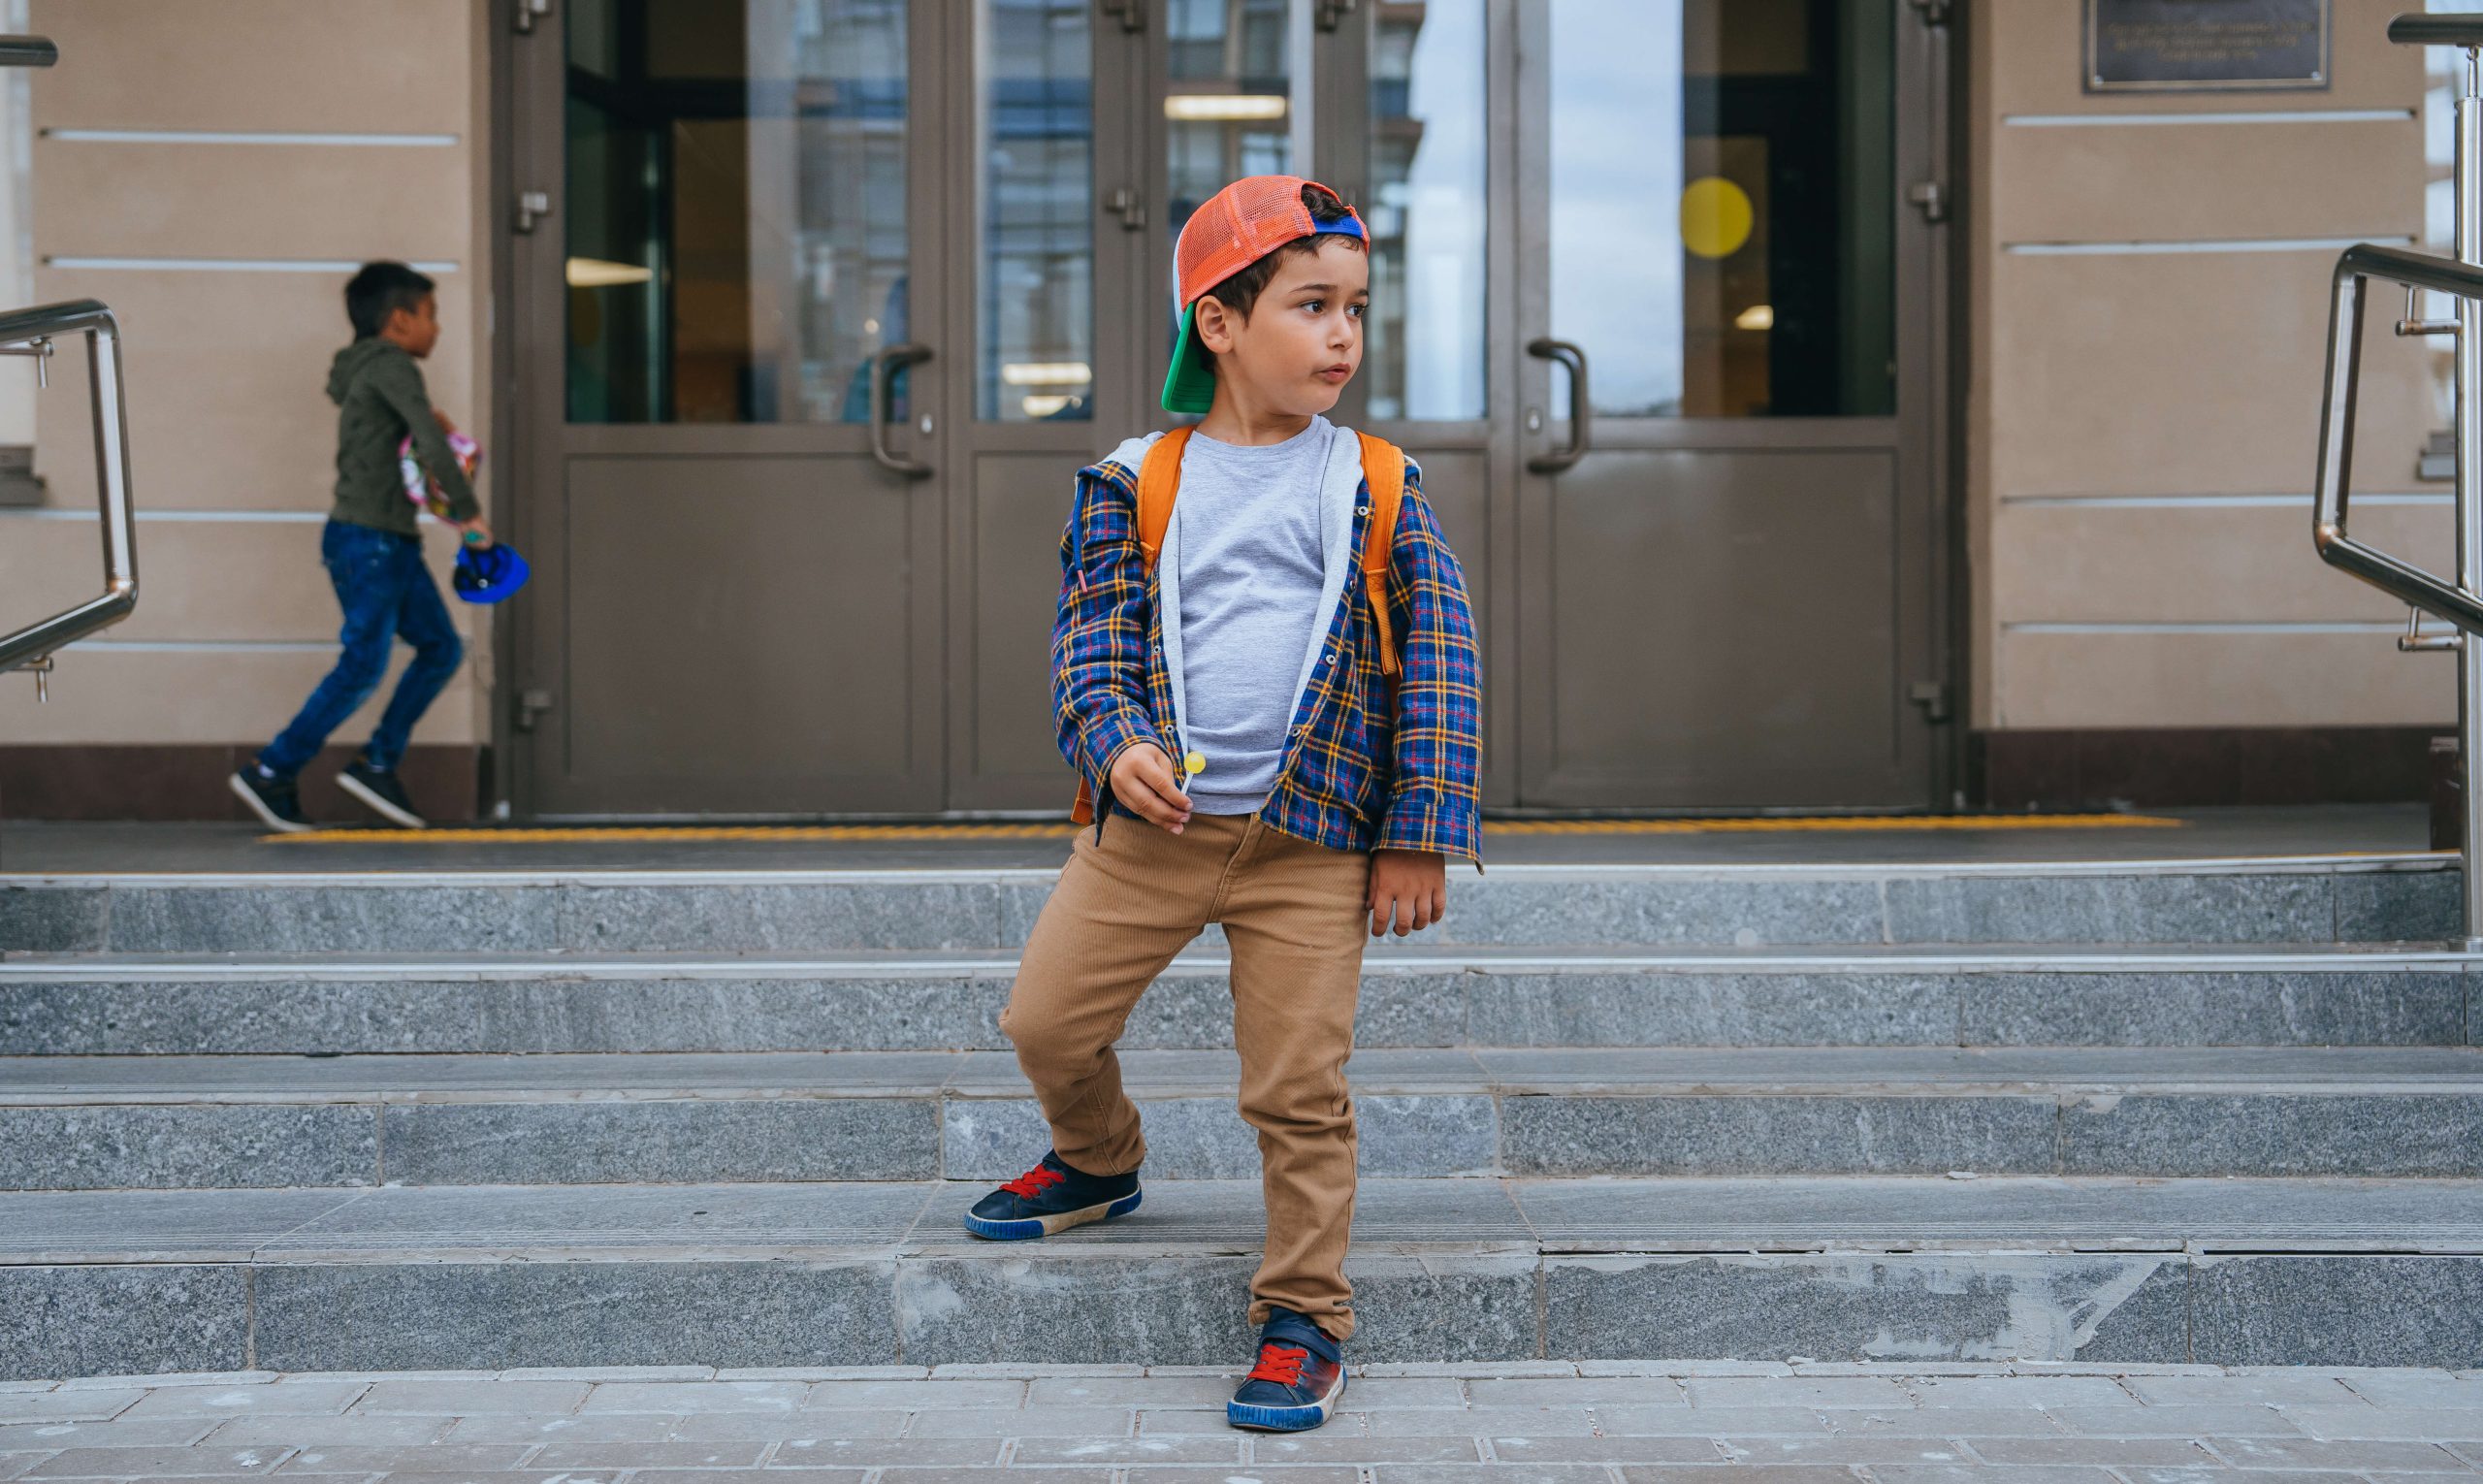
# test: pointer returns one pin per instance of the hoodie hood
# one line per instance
(351, 361)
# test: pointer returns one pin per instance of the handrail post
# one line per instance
(2469, 170)
(36, 642)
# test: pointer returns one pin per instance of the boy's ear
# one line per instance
(1214, 320)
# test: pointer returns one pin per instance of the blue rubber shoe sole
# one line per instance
(1032, 1227)
(1286, 1419)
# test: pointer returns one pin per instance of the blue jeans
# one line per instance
(387, 593)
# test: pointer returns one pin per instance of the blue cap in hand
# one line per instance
(486, 574)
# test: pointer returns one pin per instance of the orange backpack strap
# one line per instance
(1383, 468)
(1159, 480)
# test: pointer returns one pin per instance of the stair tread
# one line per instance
(1437, 1217)
(1413, 957)
(1830, 1071)
(1812, 863)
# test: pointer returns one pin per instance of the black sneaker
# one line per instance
(1297, 1383)
(381, 790)
(276, 801)
(1049, 1198)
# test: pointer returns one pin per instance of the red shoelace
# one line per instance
(1281, 1363)
(1034, 1182)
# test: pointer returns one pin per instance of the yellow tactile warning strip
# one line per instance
(619, 834)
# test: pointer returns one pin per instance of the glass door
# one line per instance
(1097, 129)
(1048, 224)
(727, 376)
(1726, 381)
(1417, 128)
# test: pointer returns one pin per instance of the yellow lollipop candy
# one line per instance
(1193, 766)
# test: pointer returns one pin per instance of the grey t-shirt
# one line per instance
(1251, 567)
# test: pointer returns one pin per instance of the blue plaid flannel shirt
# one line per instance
(1353, 778)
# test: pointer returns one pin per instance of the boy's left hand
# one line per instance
(1409, 887)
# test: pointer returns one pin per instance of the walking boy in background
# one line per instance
(1310, 664)
(375, 554)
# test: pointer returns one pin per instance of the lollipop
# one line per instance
(1192, 766)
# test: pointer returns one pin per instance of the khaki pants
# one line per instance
(1295, 916)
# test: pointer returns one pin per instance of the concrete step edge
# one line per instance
(2067, 1072)
(540, 1278)
(1392, 961)
(2348, 863)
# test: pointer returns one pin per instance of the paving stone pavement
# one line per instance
(1547, 1423)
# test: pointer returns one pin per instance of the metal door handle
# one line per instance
(1546, 348)
(884, 363)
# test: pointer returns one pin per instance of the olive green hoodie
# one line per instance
(379, 396)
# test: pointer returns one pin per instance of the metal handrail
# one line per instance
(35, 329)
(2437, 30)
(2355, 269)
(2460, 277)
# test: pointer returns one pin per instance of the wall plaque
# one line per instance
(2206, 46)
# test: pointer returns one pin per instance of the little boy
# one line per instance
(1339, 762)
(374, 555)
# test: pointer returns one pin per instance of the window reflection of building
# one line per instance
(1789, 103)
(1424, 346)
(1035, 277)
(1228, 108)
(737, 183)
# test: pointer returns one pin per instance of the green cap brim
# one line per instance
(1190, 385)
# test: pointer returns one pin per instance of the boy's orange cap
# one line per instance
(1235, 228)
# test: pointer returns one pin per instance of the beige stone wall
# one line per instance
(2150, 299)
(211, 250)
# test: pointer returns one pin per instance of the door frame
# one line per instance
(1919, 431)
(530, 319)
(1341, 116)
(1930, 336)
(1122, 151)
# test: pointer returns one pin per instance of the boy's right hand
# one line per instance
(1143, 781)
(474, 532)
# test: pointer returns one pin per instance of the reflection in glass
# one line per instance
(1036, 272)
(735, 213)
(1723, 219)
(1423, 347)
(1228, 112)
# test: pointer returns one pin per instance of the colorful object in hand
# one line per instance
(420, 487)
(486, 574)
(1192, 766)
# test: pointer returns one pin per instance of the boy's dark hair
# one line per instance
(1241, 292)
(381, 289)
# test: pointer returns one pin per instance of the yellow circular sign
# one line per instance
(1715, 218)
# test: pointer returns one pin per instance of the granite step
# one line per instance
(1411, 996)
(72, 1123)
(2241, 1273)
(2311, 899)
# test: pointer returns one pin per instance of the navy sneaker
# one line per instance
(1049, 1198)
(273, 797)
(1295, 1386)
(380, 791)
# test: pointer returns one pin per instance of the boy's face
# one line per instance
(1302, 341)
(416, 330)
